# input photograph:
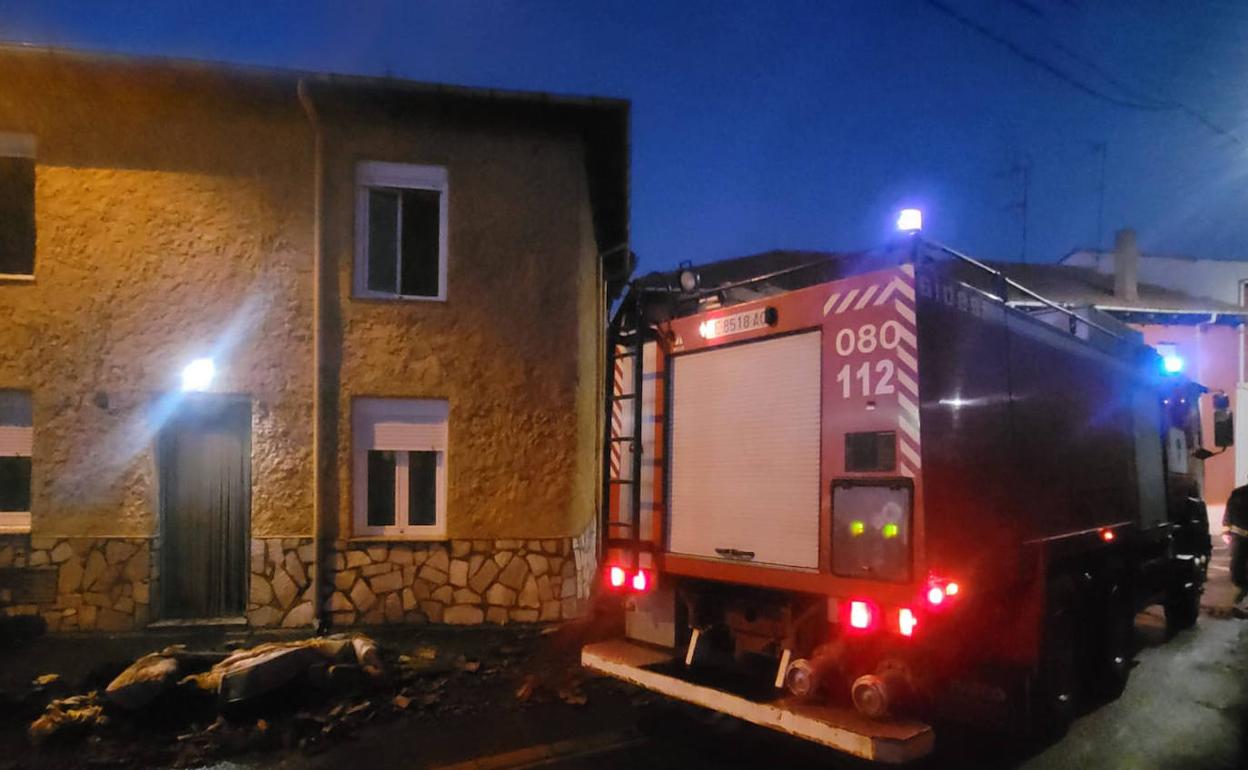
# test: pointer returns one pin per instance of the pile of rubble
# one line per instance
(188, 706)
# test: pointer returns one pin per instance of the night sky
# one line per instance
(760, 125)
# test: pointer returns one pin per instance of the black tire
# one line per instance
(1182, 610)
(1055, 685)
(1115, 648)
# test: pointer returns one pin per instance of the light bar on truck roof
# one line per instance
(910, 220)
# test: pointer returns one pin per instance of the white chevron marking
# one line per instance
(909, 428)
(888, 292)
(831, 303)
(908, 406)
(846, 302)
(904, 311)
(907, 336)
(907, 382)
(907, 359)
(866, 296)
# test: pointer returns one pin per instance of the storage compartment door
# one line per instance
(745, 452)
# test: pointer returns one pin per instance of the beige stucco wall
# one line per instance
(515, 346)
(174, 220)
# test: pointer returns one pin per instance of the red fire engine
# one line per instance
(847, 495)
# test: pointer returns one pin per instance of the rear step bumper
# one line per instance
(841, 728)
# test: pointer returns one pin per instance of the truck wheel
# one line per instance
(1116, 646)
(1054, 689)
(1182, 610)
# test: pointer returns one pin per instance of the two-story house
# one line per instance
(281, 347)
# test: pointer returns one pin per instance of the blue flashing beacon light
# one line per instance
(910, 220)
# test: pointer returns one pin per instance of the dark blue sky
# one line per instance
(761, 125)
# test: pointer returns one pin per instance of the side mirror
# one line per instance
(1223, 421)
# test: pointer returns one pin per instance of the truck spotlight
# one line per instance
(910, 220)
(951, 589)
(690, 281)
(935, 596)
(1173, 364)
(198, 374)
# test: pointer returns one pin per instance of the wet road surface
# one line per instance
(1185, 706)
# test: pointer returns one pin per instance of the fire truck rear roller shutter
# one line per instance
(745, 451)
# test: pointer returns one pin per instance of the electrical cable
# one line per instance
(1151, 105)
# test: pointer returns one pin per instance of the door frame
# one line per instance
(189, 405)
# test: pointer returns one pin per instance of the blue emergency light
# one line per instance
(910, 220)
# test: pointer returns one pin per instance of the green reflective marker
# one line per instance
(856, 528)
(889, 531)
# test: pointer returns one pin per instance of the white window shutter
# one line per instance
(413, 436)
(15, 441)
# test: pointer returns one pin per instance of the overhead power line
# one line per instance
(1140, 101)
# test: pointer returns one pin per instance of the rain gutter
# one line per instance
(317, 577)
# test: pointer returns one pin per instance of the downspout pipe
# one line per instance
(318, 195)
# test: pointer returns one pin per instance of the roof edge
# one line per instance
(245, 70)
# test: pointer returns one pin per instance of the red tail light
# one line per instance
(940, 592)
(640, 581)
(861, 615)
(616, 576)
(906, 621)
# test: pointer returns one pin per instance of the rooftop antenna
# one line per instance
(1021, 170)
(1102, 149)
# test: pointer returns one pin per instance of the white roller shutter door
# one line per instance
(745, 451)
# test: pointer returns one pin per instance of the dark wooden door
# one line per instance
(205, 508)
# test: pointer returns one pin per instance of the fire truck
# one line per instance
(849, 496)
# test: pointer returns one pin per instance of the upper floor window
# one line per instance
(399, 467)
(15, 444)
(400, 231)
(17, 205)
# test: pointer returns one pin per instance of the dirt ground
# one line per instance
(488, 687)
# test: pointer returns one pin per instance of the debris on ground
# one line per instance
(46, 679)
(68, 719)
(143, 681)
(527, 689)
(180, 707)
(238, 692)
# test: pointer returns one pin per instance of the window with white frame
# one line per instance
(17, 206)
(400, 231)
(399, 467)
(15, 444)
